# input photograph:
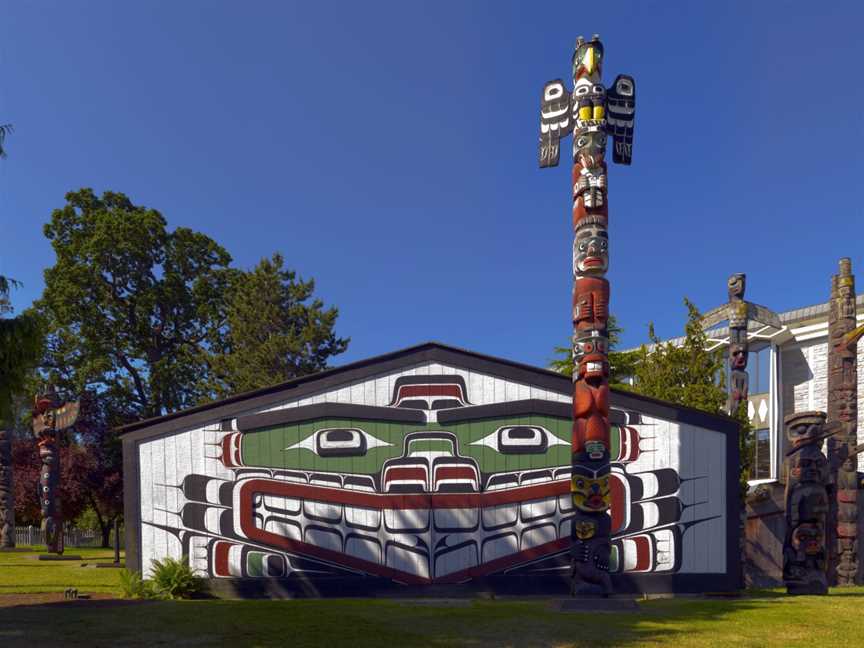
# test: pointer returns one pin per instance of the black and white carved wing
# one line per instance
(555, 121)
(621, 103)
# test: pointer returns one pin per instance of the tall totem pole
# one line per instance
(591, 113)
(50, 418)
(843, 339)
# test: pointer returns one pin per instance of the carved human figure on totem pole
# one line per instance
(808, 492)
(843, 339)
(7, 496)
(739, 381)
(592, 113)
(50, 418)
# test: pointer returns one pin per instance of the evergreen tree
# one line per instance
(20, 346)
(275, 331)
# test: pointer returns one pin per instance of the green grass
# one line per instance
(20, 572)
(760, 619)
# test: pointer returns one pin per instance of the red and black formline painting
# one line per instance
(430, 473)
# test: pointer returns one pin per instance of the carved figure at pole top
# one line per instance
(808, 493)
(50, 418)
(592, 114)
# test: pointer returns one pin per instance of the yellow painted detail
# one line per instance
(585, 112)
(599, 112)
(591, 495)
(590, 60)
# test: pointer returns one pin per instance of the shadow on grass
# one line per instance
(359, 623)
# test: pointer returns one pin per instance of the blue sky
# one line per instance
(389, 150)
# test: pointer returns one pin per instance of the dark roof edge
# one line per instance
(425, 351)
(428, 352)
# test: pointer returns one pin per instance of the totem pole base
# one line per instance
(597, 604)
(815, 587)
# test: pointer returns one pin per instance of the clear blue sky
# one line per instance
(389, 150)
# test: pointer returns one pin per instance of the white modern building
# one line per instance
(788, 369)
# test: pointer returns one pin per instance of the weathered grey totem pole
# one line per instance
(7, 495)
(591, 112)
(843, 339)
(50, 418)
(739, 313)
(808, 489)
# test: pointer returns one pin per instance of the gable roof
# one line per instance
(393, 362)
(297, 387)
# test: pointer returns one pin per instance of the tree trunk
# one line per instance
(106, 534)
(7, 495)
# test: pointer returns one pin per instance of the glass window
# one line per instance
(759, 365)
(760, 454)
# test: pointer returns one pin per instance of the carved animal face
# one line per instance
(808, 470)
(803, 432)
(589, 148)
(588, 58)
(808, 538)
(736, 285)
(591, 250)
(591, 492)
(593, 366)
(590, 343)
(585, 530)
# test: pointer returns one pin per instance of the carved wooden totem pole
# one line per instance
(843, 339)
(739, 313)
(7, 496)
(592, 113)
(50, 418)
(808, 486)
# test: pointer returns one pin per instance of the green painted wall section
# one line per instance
(269, 447)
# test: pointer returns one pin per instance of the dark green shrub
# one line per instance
(134, 586)
(174, 579)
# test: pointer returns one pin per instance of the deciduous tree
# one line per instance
(129, 305)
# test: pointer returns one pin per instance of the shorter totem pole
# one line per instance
(808, 486)
(7, 496)
(50, 418)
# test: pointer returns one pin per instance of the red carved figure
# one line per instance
(592, 113)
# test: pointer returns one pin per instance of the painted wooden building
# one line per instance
(428, 466)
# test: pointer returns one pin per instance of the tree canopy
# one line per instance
(153, 321)
(275, 330)
(20, 346)
(128, 305)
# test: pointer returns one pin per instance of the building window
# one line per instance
(759, 367)
(760, 454)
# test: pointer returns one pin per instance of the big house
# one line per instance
(429, 467)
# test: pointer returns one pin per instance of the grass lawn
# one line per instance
(20, 572)
(759, 619)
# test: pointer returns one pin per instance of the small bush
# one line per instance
(174, 579)
(134, 586)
